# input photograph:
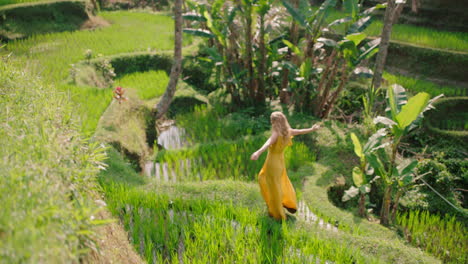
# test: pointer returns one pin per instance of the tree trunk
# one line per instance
(334, 97)
(262, 63)
(248, 53)
(362, 205)
(384, 212)
(384, 42)
(395, 204)
(165, 102)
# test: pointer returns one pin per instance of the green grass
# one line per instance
(148, 84)
(426, 37)
(50, 55)
(47, 173)
(415, 35)
(418, 85)
(443, 237)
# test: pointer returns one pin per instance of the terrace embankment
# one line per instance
(129, 126)
(441, 14)
(443, 67)
(23, 20)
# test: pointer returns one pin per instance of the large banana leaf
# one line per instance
(374, 141)
(350, 193)
(356, 38)
(351, 8)
(360, 25)
(385, 121)
(199, 32)
(372, 9)
(328, 42)
(406, 167)
(368, 50)
(292, 47)
(358, 177)
(340, 21)
(378, 166)
(323, 11)
(412, 110)
(192, 16)
(429, 106)
(396, 98)
(295, 13)
(357, 145)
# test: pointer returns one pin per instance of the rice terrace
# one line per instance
(233, 131)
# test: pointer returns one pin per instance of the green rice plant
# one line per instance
(148, 84)
(231, 159)
(418, 85)
(443, 237)
(215, 124)
(206, 231)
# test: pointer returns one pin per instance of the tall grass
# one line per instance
(418, 85)
(148, 84)
(444, 237)
(50, 55)
(47, 173)
(203, 231)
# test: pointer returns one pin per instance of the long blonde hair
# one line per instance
(279, 123)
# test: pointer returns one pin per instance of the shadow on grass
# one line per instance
(119, 171)
(271, 239)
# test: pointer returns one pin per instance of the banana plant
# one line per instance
(355, 22)
(361, 175)
(403, 116)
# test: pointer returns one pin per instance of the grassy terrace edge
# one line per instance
(36, 3)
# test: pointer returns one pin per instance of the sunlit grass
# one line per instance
(50, 55)
(148, 84)
(426, 37)
(416, 35)
(418, 85)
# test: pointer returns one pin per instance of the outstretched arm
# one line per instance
(295, 132)
(270, 141)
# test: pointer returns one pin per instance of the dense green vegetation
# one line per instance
(47, 172)
(210, 209)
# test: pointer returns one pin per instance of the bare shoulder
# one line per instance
(273, 137)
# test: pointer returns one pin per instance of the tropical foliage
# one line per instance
(380, 153)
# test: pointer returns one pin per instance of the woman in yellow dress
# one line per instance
(275, 186)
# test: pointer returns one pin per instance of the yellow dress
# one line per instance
(275, 186)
